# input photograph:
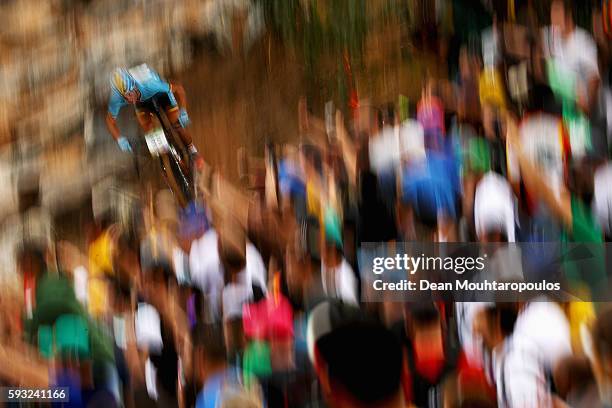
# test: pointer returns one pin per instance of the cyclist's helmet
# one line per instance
(122, 81)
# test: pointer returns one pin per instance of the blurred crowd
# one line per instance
(250, 296)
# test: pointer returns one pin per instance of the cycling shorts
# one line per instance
(163, 101)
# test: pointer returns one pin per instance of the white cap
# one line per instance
(494, 206)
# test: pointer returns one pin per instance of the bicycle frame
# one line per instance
(178, 174)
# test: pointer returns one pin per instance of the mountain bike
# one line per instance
(166, 147)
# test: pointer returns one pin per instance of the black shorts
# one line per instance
(163, 102)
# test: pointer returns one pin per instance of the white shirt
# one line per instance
(344, 279)
(490, 47)
(541, 137)
(602, 197)
(235, 296)
(393, 144)
(207, 272)
(470, 343)
(80, 284)
(577, 53)
(147, 325)
(523, 363)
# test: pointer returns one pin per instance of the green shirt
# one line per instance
(55, 297)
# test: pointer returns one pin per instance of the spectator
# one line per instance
(236, 292)
(430, 354)
(601, 346)
(211, 369)
(161, 329)
(575, 53)
(428, 203)
(524, 350)
(339, 280)
(207, 269)
(351, 374)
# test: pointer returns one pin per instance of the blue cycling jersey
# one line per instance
(148, 83)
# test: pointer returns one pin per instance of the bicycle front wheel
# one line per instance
(177, 180)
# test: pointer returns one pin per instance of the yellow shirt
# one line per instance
(579, 314)
(313, 204)
(491, 88)
(101, 255)
(100, 263)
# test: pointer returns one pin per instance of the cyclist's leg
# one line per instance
(145, 119)
(172, 113)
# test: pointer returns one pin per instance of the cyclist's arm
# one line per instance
(115, 104)
(179, 94)
(111, 124)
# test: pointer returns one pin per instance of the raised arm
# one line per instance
(349, 153)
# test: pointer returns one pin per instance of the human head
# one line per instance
(423, 317)
(561, 16)
(232, 249)
(378, 378)
(123, 82)
(209, 351)
(496, 322)
(358, 361)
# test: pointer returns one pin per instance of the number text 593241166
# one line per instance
(51, 394)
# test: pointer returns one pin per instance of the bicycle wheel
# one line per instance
(175, 164)
(176, 179)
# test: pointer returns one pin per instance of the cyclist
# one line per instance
(139, 86)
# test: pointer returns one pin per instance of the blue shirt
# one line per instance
(432, 185)
(148, 83)
(211, 394)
